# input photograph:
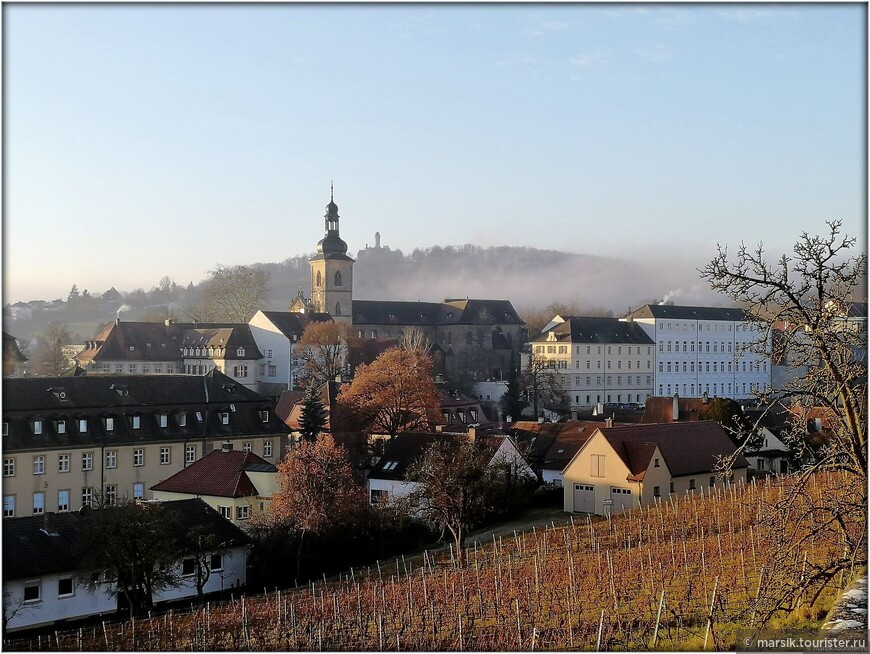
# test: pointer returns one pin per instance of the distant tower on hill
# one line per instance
(332, 270)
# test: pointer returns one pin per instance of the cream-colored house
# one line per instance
(621, 468)
(237, 484)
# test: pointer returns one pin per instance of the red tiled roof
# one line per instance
(218, 473)
(687, 448)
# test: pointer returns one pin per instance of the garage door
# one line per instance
(584, 498)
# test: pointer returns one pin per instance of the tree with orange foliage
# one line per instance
(318, 493)
(395, 393)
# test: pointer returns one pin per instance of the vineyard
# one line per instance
(675, 576)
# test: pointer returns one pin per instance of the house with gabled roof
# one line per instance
(13, 359)
(236, 483)
(387, 479)
(41, 565)
(621, 468)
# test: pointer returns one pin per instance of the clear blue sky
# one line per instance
(143, 141)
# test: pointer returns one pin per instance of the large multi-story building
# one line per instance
(703, 350)
(477, 337)
(599, 360)
(170, 348)
(67, 439)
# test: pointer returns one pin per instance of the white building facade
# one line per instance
(702, 350)
(599, 360)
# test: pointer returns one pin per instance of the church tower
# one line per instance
(332, 271)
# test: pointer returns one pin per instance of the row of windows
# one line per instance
(689, 389)
(638, 398)
(110, 495)
(111, 459)
(136, 368)
(33, 589)
(563, 349)
(629, 380)
(318, 279)
(211, 352)
(706, 326)
(243, 512)
(273, 370)
(60, 426)
(689, 346)
(718, 366)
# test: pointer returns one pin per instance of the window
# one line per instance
(240, 371)
(39, 465)
(165, 456)
(111, 494)
(264, 415)
(225, 417)
(158, 368)
(656, 463)
(691, 484)
(657, 491)
(38, 503)
(138, 491)
(761, 464)
(63, 500)
(119, 368)
(267, 448)
(87, 461)
(5, 428)
(37, 427)
(189, 453)
(111, 458)
(273, 370)
(87, 496)
(110, 424)
(240, 352)
(217, 561)
(246, 447)
(163, 420)
(63, 462)
(243, 512)
(226, 512)
(8, 506)
(182, 419)
(61, 426)
(338, 278)
(32, 591)
(188, 567)
(8, 467)
(138, 457)
(137, 422)
(712, 481)
(132, 368)
(146, 368)
(597, 465)
(672, 487)
(378, 496)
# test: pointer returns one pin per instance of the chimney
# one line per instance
(608, 422)
(573, 415)
(377, 239)
(472, 433)
(676, 411)
(117, 321)
(226, 446)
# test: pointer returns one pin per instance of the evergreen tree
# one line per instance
(512, 403)
(313, 418)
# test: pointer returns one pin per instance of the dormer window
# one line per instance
(199, 416)
(163, 420)
(37, 427)
(264, 416)
(83, 426)
(211, 351)
(132, 348)
(225, 417)
(137, 422)
(110, 424)
(391, 465)
(5, 428)
(240, 352)
(182, 419)
(61, 426)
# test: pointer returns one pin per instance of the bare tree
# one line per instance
(801, 306)
(323, 350)
(414, 340)
(542, 385)
(50, 358)
(234, 293)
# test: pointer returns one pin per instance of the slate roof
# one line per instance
(407, 447)
(432, 314)
(687, 448)
(579, 329)
(30, 551)
(154, 341)
(677, 312)
(219, 473)
(293, 324)
(123, 396)
(551, 445)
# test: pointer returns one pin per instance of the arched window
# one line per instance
(338, 278)
(317, 279)
(337, 308)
